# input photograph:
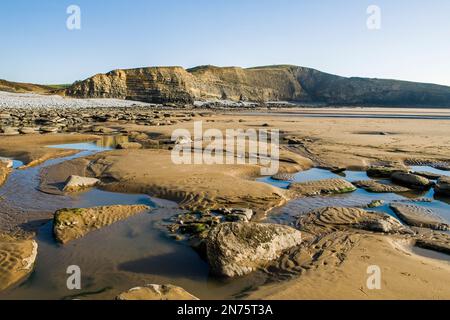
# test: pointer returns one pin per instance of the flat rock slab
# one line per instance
(428, 175)
(322, 187)
(284, 177)
(156, 292)
(129, 145)
(419, 217)
(443, 186)
(238, 248)
(17, 258)
(383, 172)
(377, 187)
(4, 172)
(71, 224)
(439, 242)
(326, 220)
(76, 183)
(411, 180)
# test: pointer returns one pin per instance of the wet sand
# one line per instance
(328, 142)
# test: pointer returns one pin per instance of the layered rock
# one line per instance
(322, 187)
(330, 219)
(443, 186)
(411, 180)
(272, 83)
(377, 187)
(419, 217)
(71, 224)
(238, 248)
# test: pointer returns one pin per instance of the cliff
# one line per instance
(272, 83)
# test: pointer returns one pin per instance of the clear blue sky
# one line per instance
(330, 35)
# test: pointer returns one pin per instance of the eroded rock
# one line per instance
(237, 248)
(71, 224)
(419, 216)
(326, 220)
(411, 180)
(377, 187)
(17, 258)
(156, 292)
(77, 183)
(321, 187)
(443, 186)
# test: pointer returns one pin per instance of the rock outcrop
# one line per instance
(17, 258)
(443, 186)
(411, 180)
(71, 224)
(419, 217)
(330, 219)
(378, 187)
(156, 292)
(238, 248)
(271, 83)
(322, 187)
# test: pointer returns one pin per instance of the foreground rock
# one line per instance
(411, 180)
(419, 217)
(377, 187)
(321, 187)
(77, 183)
(156, 292)
(330, 219)
(71, 224)
(443, 186)
(237, 248)
(17, 258)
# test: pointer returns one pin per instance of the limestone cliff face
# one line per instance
(273, 83)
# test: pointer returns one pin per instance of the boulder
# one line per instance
(411, 180)
(443, 186)
(383, 172)
(377, 187)
(129, 145)
(329, 219)
(321, 187)
(9, 131)
(419, 217)
(17, 258)
(156, 292)
(77, 183)
(49, 129)
(236, 214)
(71, 224)
(237, 248)
(28, 130)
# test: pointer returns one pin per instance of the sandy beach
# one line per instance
(327, 265)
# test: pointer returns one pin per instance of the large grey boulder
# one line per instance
(238, 248)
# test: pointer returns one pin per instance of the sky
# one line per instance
(330, 35)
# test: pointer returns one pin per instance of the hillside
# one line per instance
(17, 87)
(270, 83)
